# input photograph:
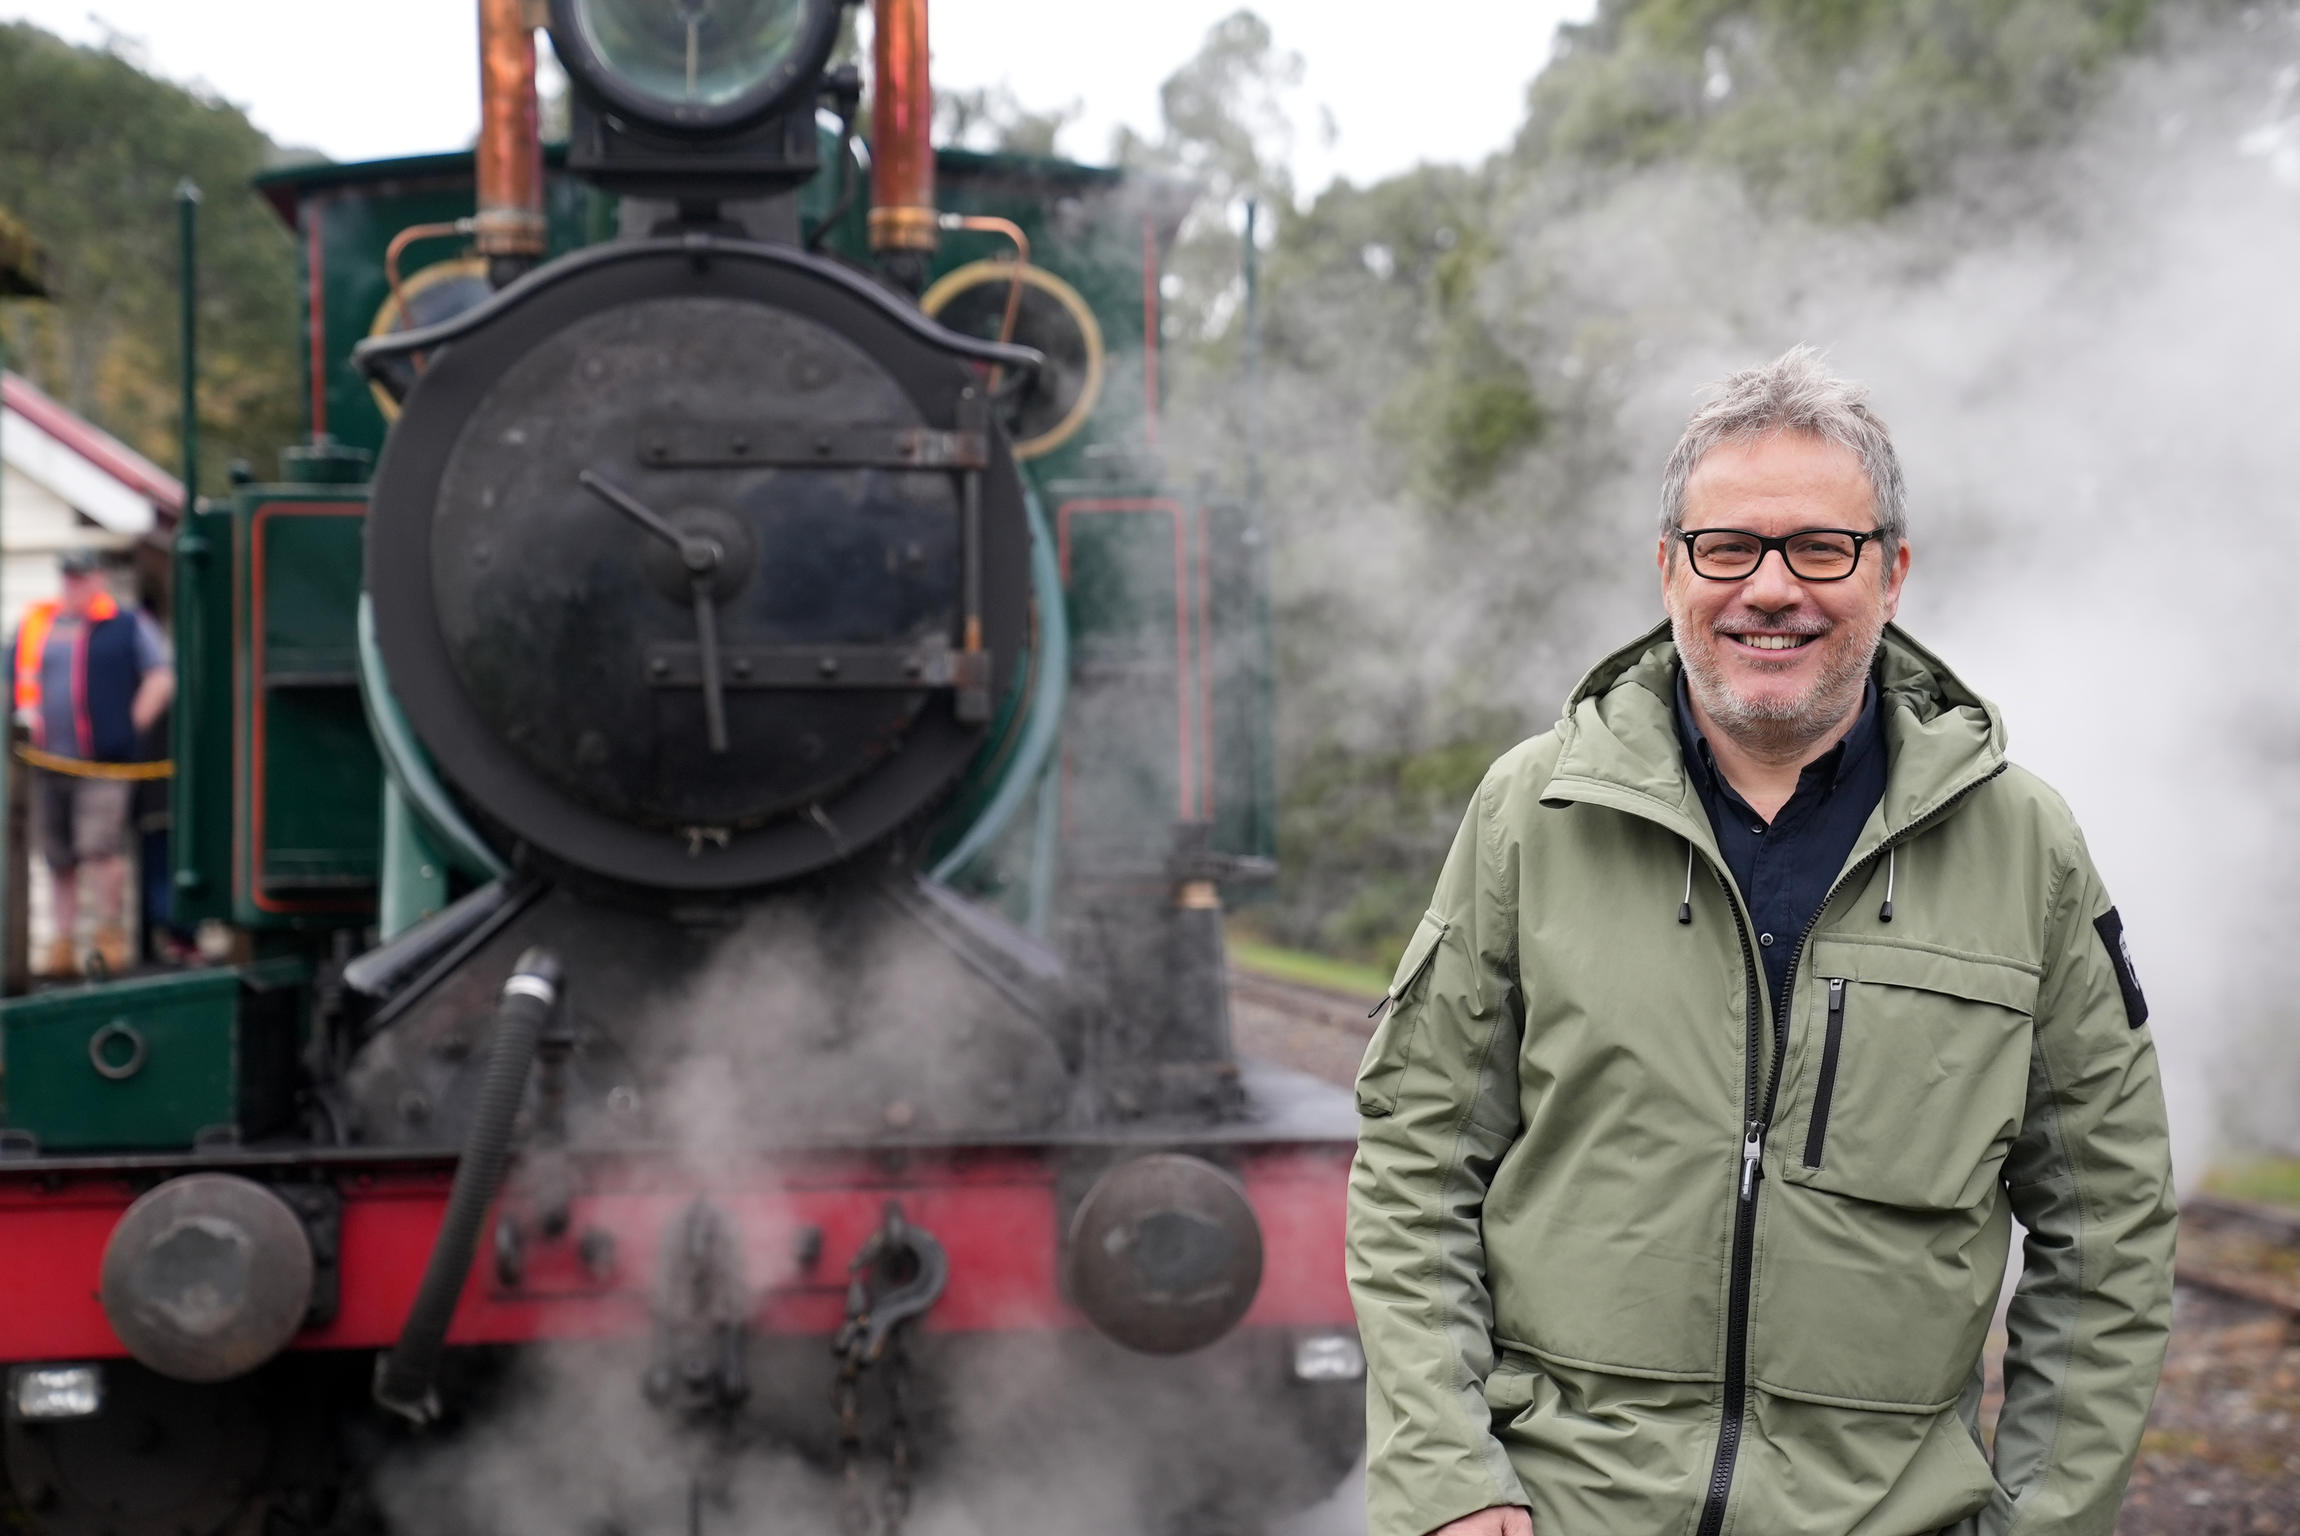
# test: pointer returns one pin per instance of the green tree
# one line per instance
(1224, 129)
(1846, 108)
(994, 118)
(91, 152)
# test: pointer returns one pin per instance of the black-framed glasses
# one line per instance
(1812, 554)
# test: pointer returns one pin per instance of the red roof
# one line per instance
(93, 443)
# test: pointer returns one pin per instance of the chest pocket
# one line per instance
(1913, 1078)
(1384, 1067)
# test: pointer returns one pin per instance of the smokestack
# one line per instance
(508, 164)
(902, 126)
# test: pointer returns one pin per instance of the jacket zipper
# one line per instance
(1758, 1119)
(1744, 1239)
(1816, 1139)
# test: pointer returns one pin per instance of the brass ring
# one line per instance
(118, 1029)
(1001, 271)
(388, 315)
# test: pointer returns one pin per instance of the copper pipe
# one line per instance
(508, 164)
(391, 254)
(986, 225)
(399, 244)
(902, 129)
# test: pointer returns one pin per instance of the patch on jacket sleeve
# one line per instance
(2120, 959)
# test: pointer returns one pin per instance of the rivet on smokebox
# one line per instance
(899, 1116)
(206, 1277)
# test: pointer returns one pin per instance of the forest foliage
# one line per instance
(92, 150)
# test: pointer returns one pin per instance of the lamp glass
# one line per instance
(693, 53)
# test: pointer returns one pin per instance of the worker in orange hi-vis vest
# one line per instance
(91, 676)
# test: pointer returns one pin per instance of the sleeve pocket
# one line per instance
(1384, 1067)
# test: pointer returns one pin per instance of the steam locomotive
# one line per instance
(721, 762)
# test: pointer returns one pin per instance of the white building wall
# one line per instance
(35, 526)
(44, 489)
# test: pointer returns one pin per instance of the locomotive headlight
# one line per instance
(694, 67)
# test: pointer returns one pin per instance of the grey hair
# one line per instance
(1795, 392)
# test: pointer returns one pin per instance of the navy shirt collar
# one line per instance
(1831, 768)
(1786, 867)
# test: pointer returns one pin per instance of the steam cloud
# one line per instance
(2090, 357)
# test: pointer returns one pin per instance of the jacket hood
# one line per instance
(1619, 731)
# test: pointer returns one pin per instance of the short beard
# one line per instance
(1779, 729)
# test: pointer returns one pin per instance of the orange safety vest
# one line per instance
(32, 640)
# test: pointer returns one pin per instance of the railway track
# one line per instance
(2240, 1250)
(1310, 1029)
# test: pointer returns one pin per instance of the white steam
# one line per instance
(2096, 399)
(2090, 358)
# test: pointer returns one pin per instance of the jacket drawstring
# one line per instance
(1685, 907)
(1885, 912)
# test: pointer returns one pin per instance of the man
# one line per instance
(90, 678)
(1757, 999)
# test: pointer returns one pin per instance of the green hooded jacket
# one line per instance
(1567, 1300)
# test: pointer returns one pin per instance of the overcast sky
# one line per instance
(358, 80)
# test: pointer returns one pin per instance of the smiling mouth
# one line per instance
(1773, 644)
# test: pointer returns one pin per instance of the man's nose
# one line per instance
(1771, 587)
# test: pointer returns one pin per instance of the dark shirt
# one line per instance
(60, 703)
(1785, 869)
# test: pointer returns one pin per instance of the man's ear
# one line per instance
(1896, 574)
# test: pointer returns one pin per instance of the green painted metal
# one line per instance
(188, 306)
(344, 217)
(313, 804)
(1239, 695)
(414, 872)
(278, 791)
(1095, 228)
(1262, 838)
(1168, 717)
(155, 1062)
(1045, 854)
(201, 795)
(409, 768)
(1132, 760)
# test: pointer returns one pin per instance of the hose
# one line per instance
(1042, 730)
(403, 1377)
(409, 769)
